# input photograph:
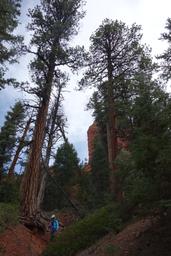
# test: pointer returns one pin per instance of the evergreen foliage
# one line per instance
(145, 170)
(66, 163)
(94, 186)
(9, 191)
(116, 44)
(8, 134)
(86, 193)
(142, 110)
(9, 215)
(100, 171)
(10, 44)
(97, 104)
(53, 25)
(116, 56)
(166, 55)
(65, 175)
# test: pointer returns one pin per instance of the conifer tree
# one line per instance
(145, 170)
(65, 172)
(100, 171)
(8, 134)
(10, 44)
(115, 57)
(66, 163)
(53, 24)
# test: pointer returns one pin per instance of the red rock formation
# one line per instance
(91, 134)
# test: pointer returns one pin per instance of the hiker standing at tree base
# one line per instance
(54, 226)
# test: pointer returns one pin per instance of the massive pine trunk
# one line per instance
(30, 205)
(31, 184)
(53, 25)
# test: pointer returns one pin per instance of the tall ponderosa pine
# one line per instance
(9, 43)
(54, 23)
(115, 54)
(8, 134)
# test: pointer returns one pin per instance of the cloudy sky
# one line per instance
(150, 14)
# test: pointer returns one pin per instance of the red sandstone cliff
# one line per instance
(91, 134)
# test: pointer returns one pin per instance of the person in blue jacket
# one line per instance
(54, 226)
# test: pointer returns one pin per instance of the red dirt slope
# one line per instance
(20, 241)
(123, 243)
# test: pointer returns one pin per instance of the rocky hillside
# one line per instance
(146, 237)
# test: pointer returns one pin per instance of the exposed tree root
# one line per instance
(38, 222)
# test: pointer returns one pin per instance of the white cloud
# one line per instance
(8, 97)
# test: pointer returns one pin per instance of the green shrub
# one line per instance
(85, 232)
(9, 191)
(9, 215)
(111, 250)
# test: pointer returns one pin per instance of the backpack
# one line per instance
(55, 225)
